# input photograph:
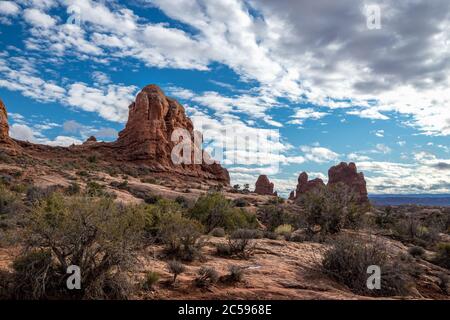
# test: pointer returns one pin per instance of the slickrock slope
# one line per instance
(263, 186)
(348, 174)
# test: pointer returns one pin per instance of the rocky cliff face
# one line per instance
(147, 137)
(263, 186)
(4, 127)
(6, 142)
(349, 175)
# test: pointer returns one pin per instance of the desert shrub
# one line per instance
(284, 230)
(94, 189)
(97, 235)
(206, 277)
(181, 235)
(329, 209)
(182, 201)
(73, 189)
(37, 194)
(175, 268)
(241, 248)
(416, 251)
(150, 180)
(247, 234)
(273, 216)
(35, 274)
(240, 203)
(385, 218)
(218, 232)
(442, 257)
(83, 173)
(92, 158)
(214, 210)
(412, 230)
(347, 262)
(150, 280)
(9, 202)
(236, 274)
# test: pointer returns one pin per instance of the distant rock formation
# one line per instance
(342, 173)
(90, 140)
(304, 185)
(152, 119)
(263, 186)
(349, 175)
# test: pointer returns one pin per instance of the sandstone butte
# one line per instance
(341, 173)
(145, 141)
(263, 186)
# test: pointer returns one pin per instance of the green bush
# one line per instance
(213, 210)
(240, 203)
(96, 235)
(273, 216)
(284, 230)
(329, 209)
(347, 262)
(151, 279)
(181, 235)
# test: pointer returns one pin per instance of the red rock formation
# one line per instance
(263, 186)
(153, 117)
(304, 185)
(4, 127)
(6, 142)
(348, 174)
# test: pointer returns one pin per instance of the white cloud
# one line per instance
(38, 18)
(9, 8)
(308, 113)
(379, 133)
(25, 133)
(22, 132)
(380, 147)
(319, 154)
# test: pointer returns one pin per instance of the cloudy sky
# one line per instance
(323, 79)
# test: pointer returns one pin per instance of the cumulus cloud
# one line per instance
(319, 154)
(25, 133)
(9, 8)
(38, 18)
(308, 113)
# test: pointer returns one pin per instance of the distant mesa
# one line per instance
(263, 186)
(145, 141)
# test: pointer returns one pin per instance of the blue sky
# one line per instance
(312, 74)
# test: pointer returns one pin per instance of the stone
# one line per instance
(263, 186)
(147, 137)
(349, 175)
(304, 185)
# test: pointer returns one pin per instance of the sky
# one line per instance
(307, 84)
